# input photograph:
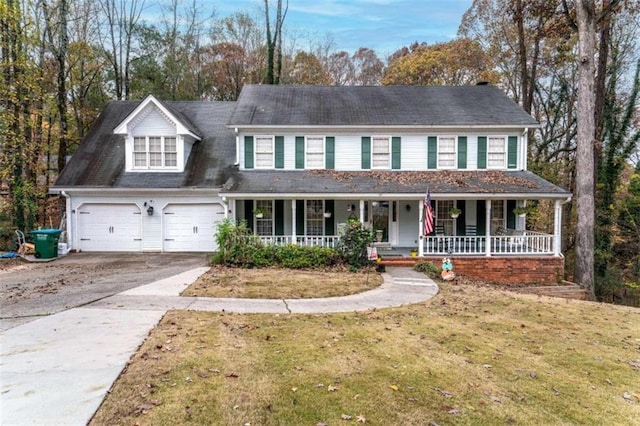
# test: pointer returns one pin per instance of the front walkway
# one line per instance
(58, 369)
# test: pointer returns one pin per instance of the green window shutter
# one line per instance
(366, 152)
(512, 152)
(329, 222)
(248, 213)
(432, 152)
(299, 152)
(330, 152)
(462, 152)
(482, 152)
(511, 217)
(248, 152)
(300, 217)
(395, 152)
(278, 215)
(279, 152)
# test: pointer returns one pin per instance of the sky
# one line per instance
(382, 25)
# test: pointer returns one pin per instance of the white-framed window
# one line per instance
(446, 152)
(381, 152)
(314, 217)
(264, 152)
(155, 152)
(497, 215)
(496, 152)
(315, 152)
(443, 217)
(264, 224)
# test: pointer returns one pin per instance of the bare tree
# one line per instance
(121, 18)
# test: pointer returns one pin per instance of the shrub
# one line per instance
(427, 268)
(238, 247)
(236, 244)
(353, 245)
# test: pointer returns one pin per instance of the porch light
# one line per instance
(150, 211)
(408, 207)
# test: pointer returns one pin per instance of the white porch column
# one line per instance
(487, 226)
(362, 212)
(293, 221)
(420, 229)
(557, 228)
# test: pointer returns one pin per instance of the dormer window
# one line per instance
(155, 152)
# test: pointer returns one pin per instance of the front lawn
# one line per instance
(276, 283)
(471, 355)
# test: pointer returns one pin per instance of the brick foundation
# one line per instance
(502, 270)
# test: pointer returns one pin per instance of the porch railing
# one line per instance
(310, 241)
(523, 242)
(518, 242)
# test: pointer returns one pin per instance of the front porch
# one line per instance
(509, 242)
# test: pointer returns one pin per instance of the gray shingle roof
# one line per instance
(99, 161)
(439, 182)
(266, 105)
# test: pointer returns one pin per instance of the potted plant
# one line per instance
(455, 212)
(414, 252)
(258, 213)
(327, 214)
(520, 211)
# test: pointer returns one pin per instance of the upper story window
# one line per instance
(264, 152)
(315, 152)
(154, 152)
(380, 152)
(446, 152)
(496, 152)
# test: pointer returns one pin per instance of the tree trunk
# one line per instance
(61, 57)
(585, 171)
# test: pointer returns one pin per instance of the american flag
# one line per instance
(428, 214)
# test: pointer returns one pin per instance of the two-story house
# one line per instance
(296, 162)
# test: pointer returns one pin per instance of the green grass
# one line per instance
(472, 355)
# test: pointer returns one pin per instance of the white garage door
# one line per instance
(191, 227)
(109, 227)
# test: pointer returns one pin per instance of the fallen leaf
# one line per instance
(454, 411)
(332, 388)
(556, 392)
(346, 417)
(628, 397)
(533, 374)
(232, 375)
(294, 389)
(361, 419)
(394, 387)
(496, 399)
(486, 366)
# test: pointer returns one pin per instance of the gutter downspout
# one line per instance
(237, 146)
(557, 227)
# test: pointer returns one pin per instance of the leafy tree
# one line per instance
(368, 68)
(274, 41)
(457, 62)
(307, 69)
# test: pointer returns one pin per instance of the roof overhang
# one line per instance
(109, 192)
(395, 196)
(407, 127)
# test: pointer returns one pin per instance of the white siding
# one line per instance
(413, 154)
(154, 123)
(414, 147)
(348, 152)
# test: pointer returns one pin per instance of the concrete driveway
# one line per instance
(32, 290)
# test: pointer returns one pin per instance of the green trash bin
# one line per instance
(46, 242)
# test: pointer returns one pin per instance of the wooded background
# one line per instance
(572, 64)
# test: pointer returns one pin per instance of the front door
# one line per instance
(384, 221)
